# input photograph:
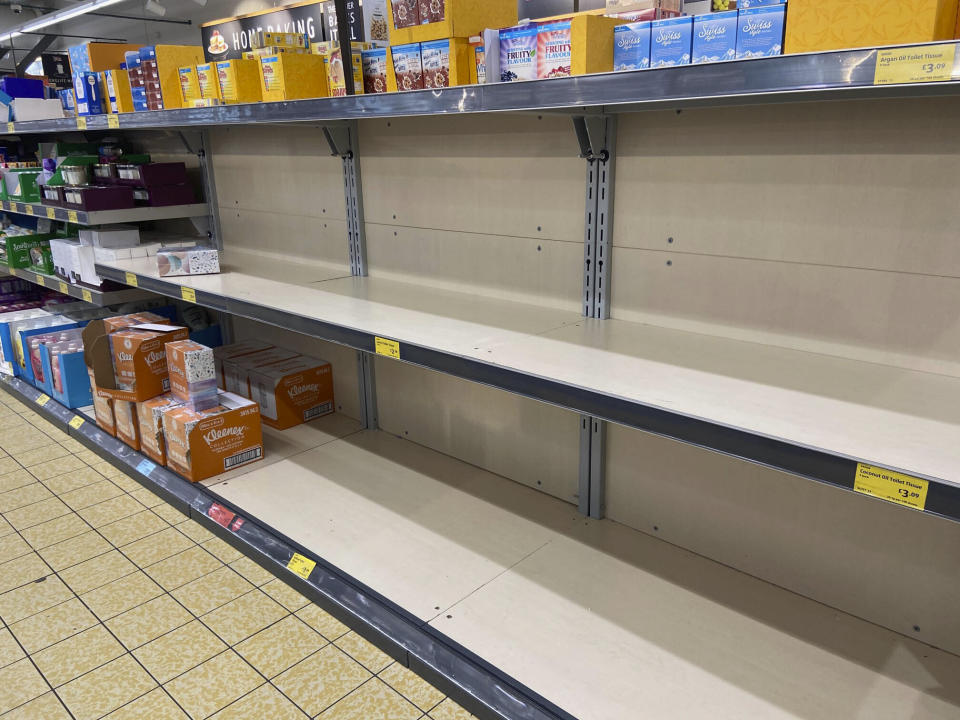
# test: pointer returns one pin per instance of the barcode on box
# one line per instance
(166, 384)
(243, 457)
(317, 411)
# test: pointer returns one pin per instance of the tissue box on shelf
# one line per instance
(671, 42)
(760, 31)
(18, 249)
(446, 62)
(239, 81)
(110, 236)
(447, 19)
(102, 408)
(235, 350)
(236, 369)
(293, 77)
(292, 392)
(209, 442)
(127, 423)
(41, 259)
(73, 261)
(815, 26)
(150, 416)
(129, 363)
(194, 260)
(715, 37)
(193, 377)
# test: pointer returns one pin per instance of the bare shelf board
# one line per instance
(90, 295)
(812, 415)
(106, 217)
(836, 75)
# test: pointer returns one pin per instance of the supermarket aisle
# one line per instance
(114, 604)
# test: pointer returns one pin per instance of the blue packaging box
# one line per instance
(746, 4)
(518, 53)
(74, 380)
(760, 31)
(715, 37)
(671, 41)
(79, 57)
(86, 85)
(25, 369)
(631, 46)
(22, 87)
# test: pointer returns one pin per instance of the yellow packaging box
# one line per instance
(208, 82)
(591, 43)
(462, 18)
(170, 58)
(117, 86)
(814, 25)
(263, 39)
(333, 64)
(289, 76)
(447, 63)
(106, 56)
(239, 81)
(189, 87)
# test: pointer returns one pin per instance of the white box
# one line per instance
(108, 255)
(111, 237)
(36, 109)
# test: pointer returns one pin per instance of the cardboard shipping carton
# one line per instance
(292, 392)
(150, 416)
(128, 429)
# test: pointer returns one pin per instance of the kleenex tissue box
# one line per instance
(631, 46)
(671, 41)
(760, 31)
(715, 37)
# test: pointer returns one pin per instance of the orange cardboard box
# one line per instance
(209, 442)
(228, 352)
(150, 416)
(292, 392)
(235, 370)
(128, 429)
(102, 409)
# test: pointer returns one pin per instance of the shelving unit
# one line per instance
(97, 297)
(107, 217)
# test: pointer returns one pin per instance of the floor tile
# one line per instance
(23, 496)
(12, 546)
(195, 531)
(222, 550)
(97, 571)
(37, 513)
(76, 655)
(20, 683)
(45, 707)
(132, 528)
(214, 684)
(71, 444)
(183, 568)
(364, 652)
(26, 569)
(53, 625)
(449, 710)
(264, 702)
(106, 469)
(54, 531)
(170, 514)
(372, 701)
(146, 622)
(52, 468)
(75, 550)
(10, 650)
(241, 618)
(8, 465)
(126, 483)
(5, 528)
(31, 599)
(157, 547)
(62, 484)
(178, 651)
(89, 457)
(110, 510)
(91, 494)
(285, 595)
(39, 455)
(121, 595)
(212, 590)
(413, 687)
(16, 479)
(280, 646)
(146, 497)
(322, 679)
(323, 622)
(251, 571)
(155, 705)
(105, 689)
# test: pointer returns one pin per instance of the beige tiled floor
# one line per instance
(115, 605)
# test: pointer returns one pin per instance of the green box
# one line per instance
(41, 258)
(21, 184)
(17, 252)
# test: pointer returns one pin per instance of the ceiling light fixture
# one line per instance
(56, 17)
(156, 8)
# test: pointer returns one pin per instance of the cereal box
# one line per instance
(208, 81)
(408, 66)
(432, 11)
(518, 54)
(375, 70)
(554, 50)
(406, 13)
(436, 63)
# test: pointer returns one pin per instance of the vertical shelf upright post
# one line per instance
(205, 156)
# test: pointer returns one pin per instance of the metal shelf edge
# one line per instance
(96, 297)
(106, 217)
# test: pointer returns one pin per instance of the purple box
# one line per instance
(152, 174)
(165, 195)
(51, 195)
(92, 197)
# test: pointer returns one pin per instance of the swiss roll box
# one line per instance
(292, 392)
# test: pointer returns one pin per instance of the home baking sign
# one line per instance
(229, 38)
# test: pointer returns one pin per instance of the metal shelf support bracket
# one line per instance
(591, 492)
(368, 391)
(343, 142)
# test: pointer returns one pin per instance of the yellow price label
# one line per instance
(189, 294)
(81, 122)
(43, 399)
(918, 64)
(29, 209)
(131, 279)
(63, 288)
(10, 127)
(51, 214)
(72, 216)
(76, 422)
(389, 348)
(892, 486)
(301, 566)
(40, 281)
(113, 121)
(87, 296)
